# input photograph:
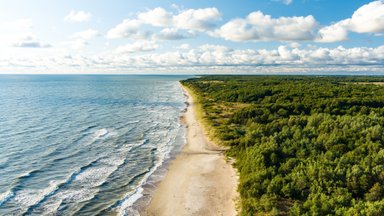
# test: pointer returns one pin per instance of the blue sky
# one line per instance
(210, 36)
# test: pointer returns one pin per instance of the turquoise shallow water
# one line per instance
(83, 145)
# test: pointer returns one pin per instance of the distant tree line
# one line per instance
(304, 145)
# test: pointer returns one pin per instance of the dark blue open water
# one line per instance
(83, 145)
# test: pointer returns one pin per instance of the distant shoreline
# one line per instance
(199, 181)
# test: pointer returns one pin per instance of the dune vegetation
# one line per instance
(303, 145)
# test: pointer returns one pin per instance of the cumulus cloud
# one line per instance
(17, 33)
(212, 59)
(30, 41)
(184, 46)
(217, 55)
(156, 17)
(258, 26)
(261, 27)
(173, 34)
(86, 34)
(77, 44)
(80, 40)
(190, 20)
(333, 33)
(139, 46)
(31, 44)
(129, 28)
(367, 19)
(78, 16)
(197, 19)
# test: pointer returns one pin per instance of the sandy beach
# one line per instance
(199, 181)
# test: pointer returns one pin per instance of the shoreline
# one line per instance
(199, 181)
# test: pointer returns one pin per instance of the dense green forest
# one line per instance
(303, 145)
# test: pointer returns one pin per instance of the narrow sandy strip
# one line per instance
(199, 180)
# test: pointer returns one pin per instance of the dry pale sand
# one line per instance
(199, 181)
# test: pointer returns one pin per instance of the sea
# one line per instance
(84, 144)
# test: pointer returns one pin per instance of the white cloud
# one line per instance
(19, 24)
(286, 2)
(87, 34)
(332, 33)
(78, 16)
(208, 59)
(191, 20)
(257, 26)
(31, 44)
(176, 7)
(294, 45)
(320, 54)
(286, 54)
(129, 28)
(15, 33)
(217, 55)
(80, 40)
(78, 44)
(18, 35)
(156, 17)
(173, 34)
(30, 41)
(184, 46)
(369, 18)
(260, 27)
(139, 46)
(214, 48)
(197, 19)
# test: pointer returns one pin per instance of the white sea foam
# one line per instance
(101, 133)
(128, 201)
(29, 197)
(113, 161)
(133, 122)
(49, 208)
(76, 195)
(26, 174)
(139, 144)
(86, 184)
(52, 205)
(4, 197)
(94, 176)
(90, 179)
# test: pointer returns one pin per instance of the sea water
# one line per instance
(83, 145)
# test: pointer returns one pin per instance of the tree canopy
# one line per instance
(303, 145)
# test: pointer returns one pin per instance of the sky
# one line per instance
(191, 37)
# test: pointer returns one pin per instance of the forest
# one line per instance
(303, 145)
